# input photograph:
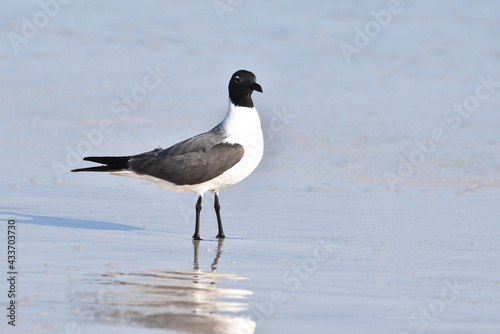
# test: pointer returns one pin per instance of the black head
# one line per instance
(241, 86)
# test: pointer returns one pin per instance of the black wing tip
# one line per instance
(92, 169)
(102, 168)
(109, 164)
(108, 159)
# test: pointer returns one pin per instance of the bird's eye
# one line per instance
(236, 79)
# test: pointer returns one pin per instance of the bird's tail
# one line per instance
(109, 164)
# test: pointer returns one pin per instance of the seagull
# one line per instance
(210, 161)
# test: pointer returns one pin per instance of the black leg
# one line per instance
(196, 235)
(220, 235)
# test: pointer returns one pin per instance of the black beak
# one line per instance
(257, 87)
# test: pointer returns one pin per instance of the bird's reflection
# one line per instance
(179, 300)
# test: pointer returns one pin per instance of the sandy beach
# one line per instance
(375, 207)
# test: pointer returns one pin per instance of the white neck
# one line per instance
(242, 124)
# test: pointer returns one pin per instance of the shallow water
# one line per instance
(317, 238)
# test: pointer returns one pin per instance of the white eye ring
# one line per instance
(236, 79)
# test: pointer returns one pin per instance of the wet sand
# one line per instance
(375, 208)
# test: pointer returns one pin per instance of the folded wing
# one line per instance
(190, 167)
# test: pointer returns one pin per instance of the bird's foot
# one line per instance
(220, 236)
(197, 237)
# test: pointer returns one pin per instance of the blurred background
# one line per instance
(360, 87)
(381, 124)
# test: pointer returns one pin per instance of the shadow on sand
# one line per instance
(66, 222)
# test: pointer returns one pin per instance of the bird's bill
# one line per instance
(257, 87)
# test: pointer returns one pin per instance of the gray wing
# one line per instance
(195, 160)
(197, 143)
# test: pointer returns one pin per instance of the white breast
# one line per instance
(242, 125)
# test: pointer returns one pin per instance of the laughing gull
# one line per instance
(209, 161)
